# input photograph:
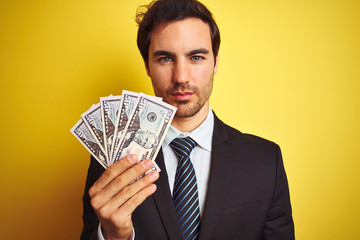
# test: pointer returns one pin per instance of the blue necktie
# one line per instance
(185, 193)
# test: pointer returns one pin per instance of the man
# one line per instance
(241, 188)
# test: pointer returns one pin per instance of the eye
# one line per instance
(197, 58)
(165, 59)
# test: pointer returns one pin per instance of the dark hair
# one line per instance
(148, 17)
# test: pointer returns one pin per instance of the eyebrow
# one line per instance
(171, 54)
(163, 53)
(197, 51)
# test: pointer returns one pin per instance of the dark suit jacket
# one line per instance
(247, 197)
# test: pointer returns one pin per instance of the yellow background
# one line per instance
(289, 71)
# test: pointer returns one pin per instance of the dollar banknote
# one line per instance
(120, 125)
(83, 134)
(109, 111)
(146, 128)
(93, 121)
(127, 105)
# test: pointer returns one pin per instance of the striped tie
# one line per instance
(185, 193)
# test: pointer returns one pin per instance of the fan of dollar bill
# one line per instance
(121, 125)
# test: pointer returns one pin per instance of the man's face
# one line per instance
(181, 65)
(145, 139)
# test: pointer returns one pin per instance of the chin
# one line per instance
(184, 115)
(187, 111)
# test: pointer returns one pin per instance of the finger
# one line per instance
(112, 172)
(129, 206)
(131, 190)
(101, 197)
(127, 177)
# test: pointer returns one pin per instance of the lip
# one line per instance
(182, 96)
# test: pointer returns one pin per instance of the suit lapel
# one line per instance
(220, 159)
(164, 202)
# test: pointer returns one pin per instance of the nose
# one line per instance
(180, 72)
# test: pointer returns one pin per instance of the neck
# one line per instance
(189, 124)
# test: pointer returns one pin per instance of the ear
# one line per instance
(216, 63)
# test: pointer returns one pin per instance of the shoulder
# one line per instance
(243, 141)
(260, 157)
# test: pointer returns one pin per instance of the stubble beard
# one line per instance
(188, 108)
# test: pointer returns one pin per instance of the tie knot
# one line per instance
(183, 146)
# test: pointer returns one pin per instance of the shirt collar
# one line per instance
(202, 134)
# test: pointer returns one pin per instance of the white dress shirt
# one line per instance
(200, 157)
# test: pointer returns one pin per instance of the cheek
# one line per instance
(160, 79)
(203, 75)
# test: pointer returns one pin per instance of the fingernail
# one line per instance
(152, 187)
(132, 158)
(153, 174)
(147, 163)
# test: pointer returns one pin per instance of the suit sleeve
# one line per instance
(279, 223)
(90, 219)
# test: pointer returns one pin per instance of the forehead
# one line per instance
(181, 35)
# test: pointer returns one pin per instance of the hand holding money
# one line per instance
(124, 134)
(114, 198)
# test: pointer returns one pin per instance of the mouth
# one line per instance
(182, 96)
